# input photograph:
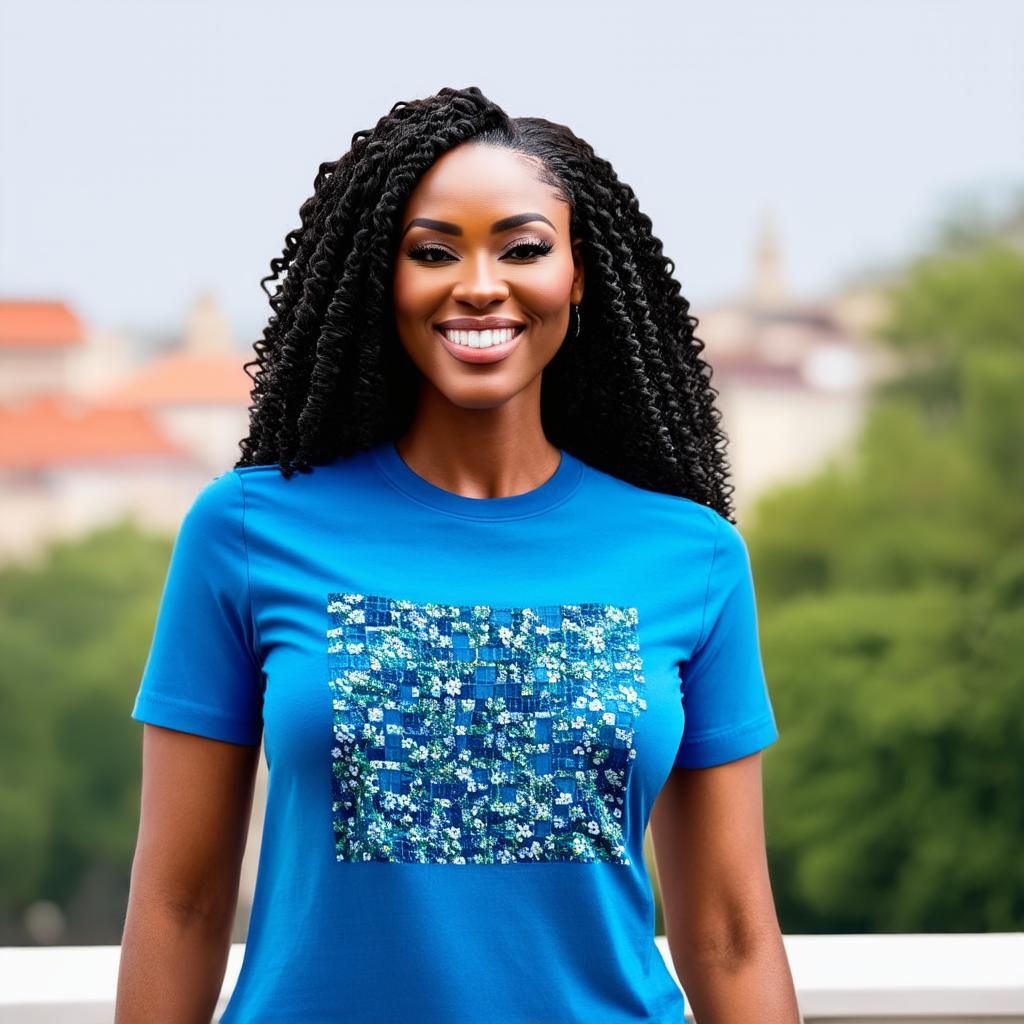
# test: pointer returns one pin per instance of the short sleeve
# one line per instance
(203, 674)
(726, 707)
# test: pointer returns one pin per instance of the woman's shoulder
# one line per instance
(674, 508)
(271, 476)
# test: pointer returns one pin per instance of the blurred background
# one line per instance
(841, 186)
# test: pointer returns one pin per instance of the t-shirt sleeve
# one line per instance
(203, 674)
(727, 709)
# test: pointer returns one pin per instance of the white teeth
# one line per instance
(481, 339)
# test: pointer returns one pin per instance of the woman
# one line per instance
(474, 571)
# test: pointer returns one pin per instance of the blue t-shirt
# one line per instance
(468, 707)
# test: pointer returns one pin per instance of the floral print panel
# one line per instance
(469, 734)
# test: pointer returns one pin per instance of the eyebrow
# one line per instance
(505, 224)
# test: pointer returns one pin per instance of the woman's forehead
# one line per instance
(487, 173)
(465, 195)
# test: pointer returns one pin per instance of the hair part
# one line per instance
(631, 396)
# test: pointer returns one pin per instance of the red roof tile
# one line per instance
(38, 325)
(59, 430)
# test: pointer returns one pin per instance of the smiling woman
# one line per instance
(517, 275)
(475, 585)
(448, 209)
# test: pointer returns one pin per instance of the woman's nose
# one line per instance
(480, 281)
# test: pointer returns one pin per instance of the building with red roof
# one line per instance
(87, 438)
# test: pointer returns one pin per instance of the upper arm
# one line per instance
(196, 804)
(708, 822)
(709, 843)
(200, 700)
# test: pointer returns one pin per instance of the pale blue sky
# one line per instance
(149, 150)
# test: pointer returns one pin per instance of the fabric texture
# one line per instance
(468, 707)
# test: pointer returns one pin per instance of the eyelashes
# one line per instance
(532, 249)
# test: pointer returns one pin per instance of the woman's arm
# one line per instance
(709, 844)
(196, 803)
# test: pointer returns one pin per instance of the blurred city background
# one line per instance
(842, 189)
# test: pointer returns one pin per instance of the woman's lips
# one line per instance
(494, 354)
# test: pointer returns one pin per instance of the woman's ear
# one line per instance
(576, 295)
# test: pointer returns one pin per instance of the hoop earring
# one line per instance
(578, 321)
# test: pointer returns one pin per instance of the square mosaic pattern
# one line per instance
(466, 734)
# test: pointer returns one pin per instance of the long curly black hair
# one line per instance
(631, 396)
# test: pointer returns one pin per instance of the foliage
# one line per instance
(891, 595)
(75, 632)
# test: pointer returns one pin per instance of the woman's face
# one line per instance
(484, 244)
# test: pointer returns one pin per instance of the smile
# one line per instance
(481, 339)
(480, 347)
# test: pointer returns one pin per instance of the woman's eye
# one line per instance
(422, 252)
(529, 249)
(435, 254)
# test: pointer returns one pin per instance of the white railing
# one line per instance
(842, 979)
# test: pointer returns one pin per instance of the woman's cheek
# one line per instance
(548, 295)
(416, 295)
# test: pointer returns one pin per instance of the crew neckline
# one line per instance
(547, 495)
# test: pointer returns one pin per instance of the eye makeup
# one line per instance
(531, 247)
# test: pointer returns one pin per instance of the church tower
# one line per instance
(768, 289)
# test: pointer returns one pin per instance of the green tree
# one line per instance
(75, 632)
(891, 595)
